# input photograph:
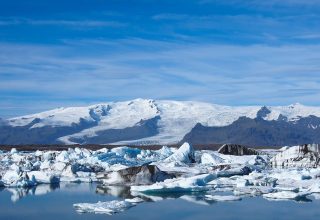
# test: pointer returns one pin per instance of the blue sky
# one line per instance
(71, 53)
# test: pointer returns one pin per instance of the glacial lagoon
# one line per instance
(56, 202)
(183, 183)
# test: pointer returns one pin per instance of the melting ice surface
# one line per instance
(167, 183)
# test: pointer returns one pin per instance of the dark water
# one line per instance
(55, 203)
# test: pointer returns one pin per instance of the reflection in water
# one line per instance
(116, 191)
(199, 198)
(19, 193)
(123, 192)
(57, 202)
(130, 199)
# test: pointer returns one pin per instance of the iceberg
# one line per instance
(286, 195)
(18, 179)
(297, 156)
(212, 158)
(138, 175)
(110, 207)
(188, 184)
(185, 154)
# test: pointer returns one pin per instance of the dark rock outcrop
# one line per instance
(139, 175)
(237, 150)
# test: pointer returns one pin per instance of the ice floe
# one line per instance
(188, 184)
(291, 173)
(286, 195)
(109, 207)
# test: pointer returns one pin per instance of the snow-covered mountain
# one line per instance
(143, 121)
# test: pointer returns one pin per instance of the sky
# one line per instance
(231, 52)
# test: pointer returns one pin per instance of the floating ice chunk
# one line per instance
(259, 179)
(258, 162)
(165, 151)
(297, 156)
(126, 151)
(222, 182)
(49, 155)
(291, 174)
(184, 154)
(38, 153)
(242, 182)
(110, 207)
(220, 198)
(134, 200)
(207, 158)
(234, 171)
(287, 188)
(43, 177)
(18, 179)
(284, 148)
(314, 188)
(17, 158)
(252, 190)
(285, 195)
(13, 151)
(15, 167)
(58, 166)
(189, 184)
(140, 175)
(45, 165)
(63, 157)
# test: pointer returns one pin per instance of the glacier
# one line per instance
(141, 121)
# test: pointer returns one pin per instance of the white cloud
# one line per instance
(71, 23)
(224, 74)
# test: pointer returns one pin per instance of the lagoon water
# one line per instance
(56, 203)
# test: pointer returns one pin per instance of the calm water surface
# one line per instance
(56, 203)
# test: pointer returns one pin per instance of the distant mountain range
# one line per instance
(144, 121)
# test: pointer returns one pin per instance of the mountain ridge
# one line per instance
(165, 121)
